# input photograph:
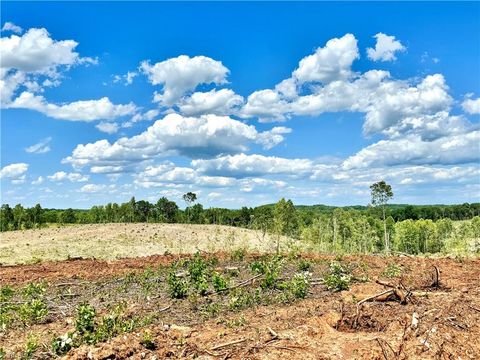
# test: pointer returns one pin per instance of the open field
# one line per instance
(113, 241)
(290, 309)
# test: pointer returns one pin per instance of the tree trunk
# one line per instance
(387, 250)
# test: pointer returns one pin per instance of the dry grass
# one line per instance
(114, 241)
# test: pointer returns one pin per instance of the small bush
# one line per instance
(339, 277)
(270, 268)
(34, 291)
(62, 344)
(218, 281)
(85, 322)
(304, 265)
(33, 311)
(199, 272)
(177, 287)
(298, 286)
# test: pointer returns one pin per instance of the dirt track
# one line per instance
(318, 327)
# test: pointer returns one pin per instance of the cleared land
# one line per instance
(115, 241)
(255, 317)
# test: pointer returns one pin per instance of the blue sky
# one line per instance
(242, 103)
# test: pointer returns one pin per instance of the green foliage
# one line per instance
(34, 290)
(338, 278)
(33, 311)
(238, 255)
(147, 340)
(270, 268)
(6, 307)
(62, 344)
(242, 299)
(219, 283)
(304, 265)
(31, 347)
(392, 270)
(85, 321)
(198, 270)
(177, 287)
(297, 287)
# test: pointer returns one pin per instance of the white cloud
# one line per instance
(183, 74)
(221, 102)
(471, 106)
(93, 188)
(83, 110)
(194, 137)
(129, 77)
(107, 127)
(242, 165)
(39, 148)
(39, 181)
(330, 63)
(36, 51)
(385, 48)
(411, 149)
(9, 26)
(73, 177)
(14, 171)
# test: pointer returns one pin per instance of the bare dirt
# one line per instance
(436, 322)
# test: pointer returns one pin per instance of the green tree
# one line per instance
(381, 193)
(6, 218)
(284, 220)
(166, 210)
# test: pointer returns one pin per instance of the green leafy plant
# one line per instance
(147, 340)
(304, 265)
(297, 286)
(85, 323)
(339, 277)
(6, 307)
(62, 344)
(34, 290)
(219, 283)
(177, 287)
(238, 255)
(33, 311)
(270, 268)
(31, 346)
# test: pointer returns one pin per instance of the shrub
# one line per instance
(34, 291)
(62, 344)
(270, 268)
(219, 282)
(304, 265)
(178, 288)
(339, 277)
(33, 311)
(85, 322)
(198, 270)
(30, 347)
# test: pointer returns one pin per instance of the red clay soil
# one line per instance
(436, 323)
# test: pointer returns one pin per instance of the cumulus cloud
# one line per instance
(73, 177)
(183, 74)
(93, 188)
(243, 165)
(14, 172)
(218, 102)
(38, 181)
(385, 48)
(454, 149)
(107, 127)
(330, 63)
(471, 106)
(9, 26)
(83, 110)
(193, 137)
(39, 148)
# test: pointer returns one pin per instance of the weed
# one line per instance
(297, 286)
(6, 293)
(34, 291)
(219, 282)
(30, 347)
(6, 308)
(62, 344)
(270, 268)
(242, 299)
(339, 277)
(178, 288)
(238, 255)
(85, 321)
(198, 270)
(33, 311)
(147, 340)
(392, 270)
(304, 265)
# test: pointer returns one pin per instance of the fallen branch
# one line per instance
(228, 344)
(436, 278)
(241, 284)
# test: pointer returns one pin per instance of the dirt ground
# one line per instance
(114, 241)
(435, 323)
